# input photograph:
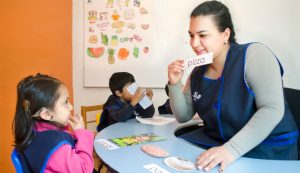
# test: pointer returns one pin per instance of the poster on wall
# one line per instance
(126, 35)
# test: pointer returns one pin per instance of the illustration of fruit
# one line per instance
(111, 58)
(136, 52)
(104, 39)
(123, 54)
(146, 49)
(95, 52)
(114, 40)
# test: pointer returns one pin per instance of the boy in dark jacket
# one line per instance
(121, 105)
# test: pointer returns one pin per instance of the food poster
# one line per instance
(117, 37)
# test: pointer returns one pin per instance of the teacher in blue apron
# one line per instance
(239, 96)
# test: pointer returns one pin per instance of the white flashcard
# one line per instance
(155, 168)
(145, 102)
(107, 144)
(199, 60)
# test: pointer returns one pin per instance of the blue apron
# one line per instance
(227, 104)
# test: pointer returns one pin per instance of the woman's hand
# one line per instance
(213, 157)
(76, 122)
(175, 71)
(149, 93)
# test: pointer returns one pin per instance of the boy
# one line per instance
(121, 105)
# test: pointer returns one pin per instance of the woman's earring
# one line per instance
(225, 42)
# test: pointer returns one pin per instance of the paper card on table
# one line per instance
(136, 139)
(145, 102)
(107, 144)
(156, 120)
(154, 168)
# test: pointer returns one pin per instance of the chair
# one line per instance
(16, 161)
(93, 108)
(293, 99)
(84, 113)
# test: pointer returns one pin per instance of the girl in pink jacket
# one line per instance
(41, 133)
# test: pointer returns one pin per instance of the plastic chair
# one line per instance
(93, 108)
(293, 99)
(15, 157)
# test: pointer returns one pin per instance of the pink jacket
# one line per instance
(68, 160)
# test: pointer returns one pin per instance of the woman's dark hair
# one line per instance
(220, 14)
(33, 93)
(118, 80)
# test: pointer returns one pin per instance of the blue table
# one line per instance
(131, 159)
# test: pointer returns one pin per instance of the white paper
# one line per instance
(107, 144)
(145, 102)
(155, 168)
(192, 62)
(156, 120)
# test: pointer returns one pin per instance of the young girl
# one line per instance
(40, 126)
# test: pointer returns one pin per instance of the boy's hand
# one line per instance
(149, 93)
(76, 122)
(138, 95)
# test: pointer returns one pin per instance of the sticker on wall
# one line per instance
(115, 15)
(95, 52)
(127, 3)
(136, 3)
(124, 39)
(92, 16)
(114, 40)
(145, 26)
(103, 26)
(131, 25)
(123, 53)
(136, 52)
(128, 14)
(103, 16)
(118, 24)
(110, 4)
(146, 49)
(111, 58)
(104, 39)
(93, 39)
(143, 11)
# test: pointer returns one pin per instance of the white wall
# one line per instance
(273, 22)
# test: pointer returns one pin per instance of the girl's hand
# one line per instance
(175, 71)
(138, 95)
(76, 122)
(213, 157)
(149, 93)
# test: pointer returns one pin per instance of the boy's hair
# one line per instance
(33, 93)
(118, 80)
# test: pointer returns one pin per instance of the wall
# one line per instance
(274, 23)
(36, 36)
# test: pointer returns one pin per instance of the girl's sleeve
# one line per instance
(74, 160)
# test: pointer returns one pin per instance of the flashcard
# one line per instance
(107, 144)
(155, 168)
(199, 60)
(145, 102)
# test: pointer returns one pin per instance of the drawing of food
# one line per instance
(136, 52)
(111, 58)
(123, 53)
(114, 40)
(104, 39)
(95, 52)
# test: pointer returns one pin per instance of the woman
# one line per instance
(239, 96)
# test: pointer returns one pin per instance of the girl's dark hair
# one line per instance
(220, 14)
(33, 93)
(118, 80)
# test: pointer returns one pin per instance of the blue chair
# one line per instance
(15, 157)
